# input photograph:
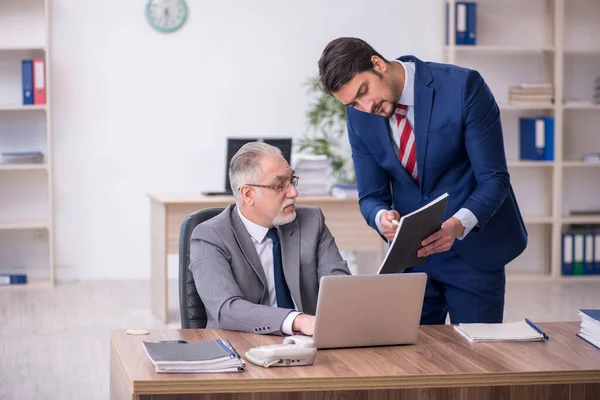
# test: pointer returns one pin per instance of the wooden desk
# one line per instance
(167, 212)
(441, 365)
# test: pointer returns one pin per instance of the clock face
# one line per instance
(166, 15)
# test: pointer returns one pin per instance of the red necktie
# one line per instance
(407, 151)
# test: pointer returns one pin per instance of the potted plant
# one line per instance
(327, 133)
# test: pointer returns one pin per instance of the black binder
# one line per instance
(412, 229)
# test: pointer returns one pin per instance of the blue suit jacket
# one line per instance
(460, 150)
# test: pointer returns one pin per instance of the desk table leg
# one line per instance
(158, 261)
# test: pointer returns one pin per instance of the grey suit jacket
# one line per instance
(230, 278)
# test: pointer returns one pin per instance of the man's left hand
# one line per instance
(443, 239)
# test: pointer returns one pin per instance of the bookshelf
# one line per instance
(26, 216)
(553, 41)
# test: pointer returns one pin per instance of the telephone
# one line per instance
(294, 351)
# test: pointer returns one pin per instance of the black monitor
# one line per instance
(234, 144)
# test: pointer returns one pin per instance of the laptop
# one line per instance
(369, 310)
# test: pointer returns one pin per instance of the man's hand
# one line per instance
(443, 239)
(304, 323)
(388, 229)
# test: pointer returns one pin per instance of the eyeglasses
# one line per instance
(280, 188)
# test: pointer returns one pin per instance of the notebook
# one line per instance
(412, 229)
(590, 327)
(504, 332)
(210, 356)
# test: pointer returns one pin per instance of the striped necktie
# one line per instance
(407, 150)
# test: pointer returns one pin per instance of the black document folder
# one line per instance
(412, 229)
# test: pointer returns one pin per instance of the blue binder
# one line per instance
(537, 138)
(465, 23)
(567, 254)
(588, 251)
(471, 38)
(27, 81)
(596, 254)
(13, 279)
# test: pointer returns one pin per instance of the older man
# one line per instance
(257, 265)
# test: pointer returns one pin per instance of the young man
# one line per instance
(417, 130)
(257, 265)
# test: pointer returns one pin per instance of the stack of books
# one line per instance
(531, 93)
(314, 172)
(22, 157)
(211, 356)
(590, 327)
(344, 191)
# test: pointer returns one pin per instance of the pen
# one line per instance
(538, 330)
(227, 349)
(395, 222)
(228, 343)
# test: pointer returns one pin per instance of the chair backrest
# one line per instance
(191, 308)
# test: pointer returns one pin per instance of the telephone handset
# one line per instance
(294, 351)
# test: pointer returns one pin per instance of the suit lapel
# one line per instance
(423, 106)
(245, 242)
(290, 255)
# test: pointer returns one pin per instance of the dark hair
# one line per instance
(342, 59)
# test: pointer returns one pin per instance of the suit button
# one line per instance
(268, 327)
(426, 197)
(256, 330)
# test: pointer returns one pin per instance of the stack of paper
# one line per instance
(505, 332)
(213, 356)
(590, 327)
(22, 157)
(314, 172)
(528, 93)
(344, 191)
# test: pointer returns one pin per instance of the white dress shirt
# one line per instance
(264, 248)
(464, 215)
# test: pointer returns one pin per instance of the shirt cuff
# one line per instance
(467, 219)
(286, 327)
(378, 219)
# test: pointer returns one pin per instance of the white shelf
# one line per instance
(562, 28)
(30, 283)
(20, 107)
(516, 277)
(580, 164)
(22, 225)
(529, 164)
(26, 34)
(579, 278)
(582, 52)
(533, 106)
(22, 48)
(500, 49)
(581, 219)
(538, 220)
(23, 167)
(581, 105)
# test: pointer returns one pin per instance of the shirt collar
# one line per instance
(408, 92)
(258, 232)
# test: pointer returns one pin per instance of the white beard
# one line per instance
(283, 219)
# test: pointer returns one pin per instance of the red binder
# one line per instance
(39, 81)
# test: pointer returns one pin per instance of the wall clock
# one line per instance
(166, 15)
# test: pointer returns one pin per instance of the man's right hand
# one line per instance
(388, 229)
(304, 323)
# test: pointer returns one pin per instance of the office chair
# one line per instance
(191, 308)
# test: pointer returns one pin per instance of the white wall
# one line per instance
(136, 111)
